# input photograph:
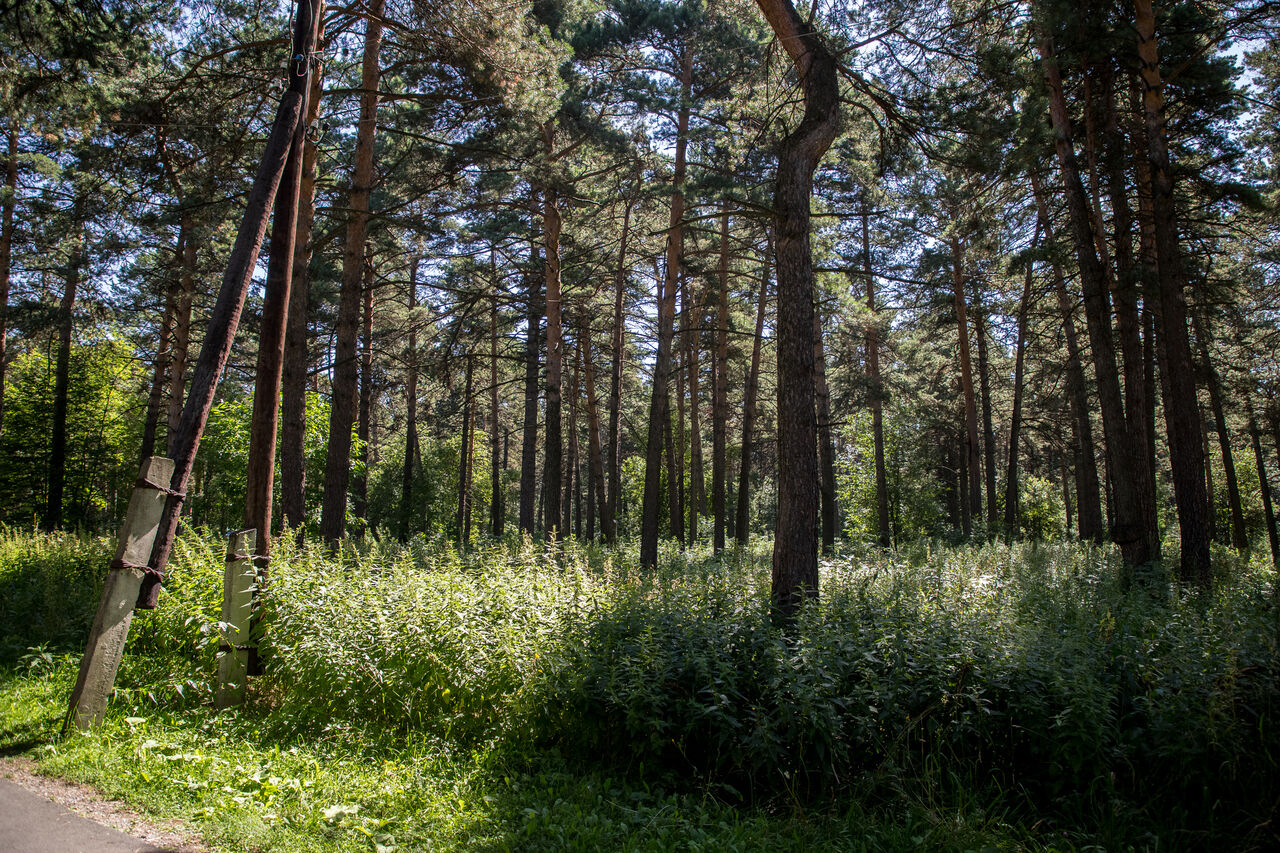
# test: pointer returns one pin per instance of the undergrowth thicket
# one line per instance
(995, 695)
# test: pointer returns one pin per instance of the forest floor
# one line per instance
(988, 697)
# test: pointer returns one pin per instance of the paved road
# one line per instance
(30, 823)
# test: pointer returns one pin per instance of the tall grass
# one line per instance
(1020, 678)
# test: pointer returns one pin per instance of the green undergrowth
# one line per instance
(524, 696)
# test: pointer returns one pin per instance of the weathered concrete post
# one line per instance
(237, 605)
(110, 628)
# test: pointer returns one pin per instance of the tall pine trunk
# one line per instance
(360, 486)
(659, 400)
(875, 386)
(410, 406)
(7, 203)
(553, 448)
(984, 390)
(180, 341)
(1181, 422)
(720, 392)
(497, 504)
(611, 506)
(972, 450)
(346, 368)
(61, 377)
(795, 551)
(1015, 418)
(826, 447)
(529, 492)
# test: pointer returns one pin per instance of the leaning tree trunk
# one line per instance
(226, 313)
(260, 472)
(346, 368)
(1264, 486)
(293, 376)
(180, 340)
(742, 524)
(61, 377)
(1181, 421)
(659, 402)
(795, 551)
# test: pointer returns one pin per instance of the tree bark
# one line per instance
(571, 480)
(293, 377)
(1239, 536)
(1264, 486)
(720, 393)
(973, 464)
(595, 459)
(226, 313)
(7, 204)
(692, 319)
(795, 552)
(826, 447)
(1130, 529)
(875, 388)
(529, 492)
(1015, 418)
(411, 406)
(984, 389)
(497, 507)
(180, 342)
(463, 518)
(675, 457)
(553, 449)
(61, 377)
(611, 505)
(742, 524)
(342, 414)
(1181, 422)
(260, 472)
(360, 486)
(160, 372)
(659, 402)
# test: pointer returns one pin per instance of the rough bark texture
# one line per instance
(595, 455)
(691, 318)
(226, 312)
(795, 552)
(984, 390)
(826, 447)
(346, 369)
(1182, 424)
(293, 377)
(160, 371)
(659, 402)
(180, 342)
(497, 506)
(360, 484)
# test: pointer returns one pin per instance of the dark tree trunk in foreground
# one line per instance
(795, 551)
(659, 400)
(230, 302)
(293, 377)
(346, 368)
(61, 375)
(1130, 529)
(742, 524)
(1182, 422)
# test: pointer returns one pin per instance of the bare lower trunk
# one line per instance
(826, 447)
(552, 449)
(6, 249)
(875, 387)
(1015, 418)
(1264, 486)
(595, 456)
(720, 393)
(497, 507)
(973, 463)
(463, 517)
(1239, 537)
(611, 506)
(342, 414)
(984, 389)
(160, 371)
(411, 408)
(180, 342)
(360, 484)
(529, 493)
(795, 551)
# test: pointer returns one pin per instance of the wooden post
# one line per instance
(110, 628)
(237, 604)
